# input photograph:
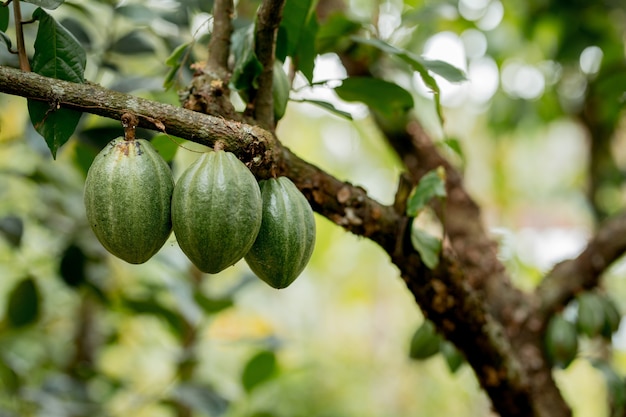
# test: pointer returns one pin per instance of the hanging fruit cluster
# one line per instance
(217, 210)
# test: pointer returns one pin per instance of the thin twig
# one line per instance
(219, 44)
(268, 19)
(19, 33)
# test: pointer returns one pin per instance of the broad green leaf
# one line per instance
(280, 90)
(332, 34)
(166, 146)
(23, 306)
(12, 229)
(428, 246)
(57, 55)
(259, 369)
(425, 341)
(421, 66)
(295, 14)
(444, 69)
(46, 4)
(304, 59)
(455, 146)
(328, 106)
(385, 97)
(247, 65)
(431, 185)
(4, 18)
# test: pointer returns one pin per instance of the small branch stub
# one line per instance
(130, 122)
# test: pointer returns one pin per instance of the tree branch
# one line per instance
(443, 293)
(268, 19)
(582, 273)
(209, 92)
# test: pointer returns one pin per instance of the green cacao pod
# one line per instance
(128, 192)
(591, 315)
(287, 237)
(216, 211)
(561, 340)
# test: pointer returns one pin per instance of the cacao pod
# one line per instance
(561, 340)
(591, 315)
(127, 197)
(286, 240)
(216, 211)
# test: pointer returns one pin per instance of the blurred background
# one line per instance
(536, 126)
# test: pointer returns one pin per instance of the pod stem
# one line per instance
(130, 122)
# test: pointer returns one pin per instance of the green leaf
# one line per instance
(425, 341)
(46, 4)
(57, 55)
(385, 97)
(328, 106)
(4, 18)
(138, 13)
(23, 307)
(258, 370)
(212, 305)
(332, 34)
(421, 66)
(431, 185)
(166, 146)
(295, 14)
(454, 358)
(174, 59)
(280, 90)
(304, 58)
(427, 246)
(57, 52)
(247, 65)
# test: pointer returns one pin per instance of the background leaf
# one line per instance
(23, 306)
(57, 55)
(259, 369)
(425, 341)
(431, 185)
(12, 229)
(427, 246)
(247, 65)
(46, 4)
(382, 96)
(4, 18)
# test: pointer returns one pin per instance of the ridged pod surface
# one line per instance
(128, 193)
(287, 237)
(216, 211)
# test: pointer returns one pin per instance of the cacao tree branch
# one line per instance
(582, 273)
(209, 92)
(268, 19)
(19, 34)
(442, 293)
(219, 44)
